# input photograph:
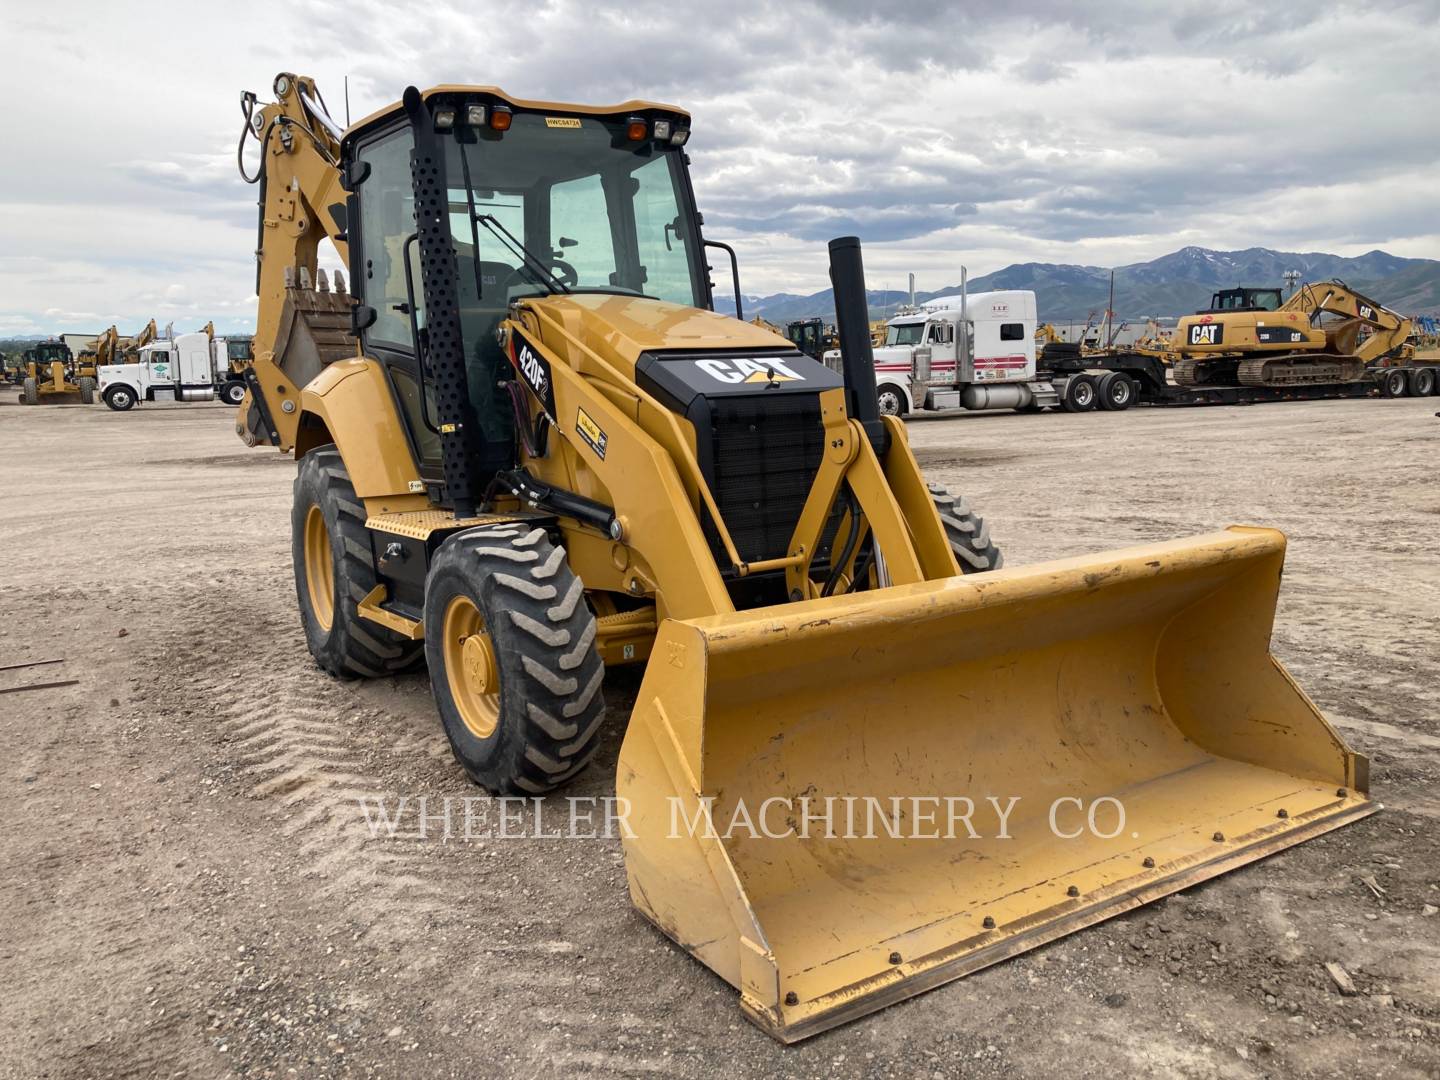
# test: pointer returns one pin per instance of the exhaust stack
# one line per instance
(852, 323)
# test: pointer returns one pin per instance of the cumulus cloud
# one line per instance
(1038, 130)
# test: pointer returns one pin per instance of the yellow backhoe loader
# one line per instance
(1249, 336)
(529, 450)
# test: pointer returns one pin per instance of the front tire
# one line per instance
(330, 547)
(87, 390)
(513, 664)
(30, 392)
(119, 398)
(233, 392)
(891, 399)
(967, 532)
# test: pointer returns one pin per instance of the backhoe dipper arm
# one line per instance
(106, 347)
(301, 200)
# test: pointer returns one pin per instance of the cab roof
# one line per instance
(494, 93)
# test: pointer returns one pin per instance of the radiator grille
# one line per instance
(766, 451)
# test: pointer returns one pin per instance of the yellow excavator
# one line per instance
(1249, 336)
(140, 340)
(105, 351)
(529, 450)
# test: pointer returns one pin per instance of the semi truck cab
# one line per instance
(975, 351)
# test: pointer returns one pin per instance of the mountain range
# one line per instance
(1174, 284)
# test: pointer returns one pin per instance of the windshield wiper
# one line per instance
(505, 236)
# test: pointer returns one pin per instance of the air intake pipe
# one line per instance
(852, 321)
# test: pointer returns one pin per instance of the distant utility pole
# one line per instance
(1291, 277)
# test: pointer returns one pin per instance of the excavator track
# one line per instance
(1300, 370)
(1203, 370)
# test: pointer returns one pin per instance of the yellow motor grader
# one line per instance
(528, 450)
(49, 377)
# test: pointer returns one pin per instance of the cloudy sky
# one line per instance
(1031, 130)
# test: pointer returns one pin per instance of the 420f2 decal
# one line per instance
(535, 370)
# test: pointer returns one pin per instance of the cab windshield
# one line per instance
(904, 333)
(602, 213)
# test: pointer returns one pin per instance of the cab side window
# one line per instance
(387, 217)
(1012, 331)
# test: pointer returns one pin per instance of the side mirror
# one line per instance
(362, 317)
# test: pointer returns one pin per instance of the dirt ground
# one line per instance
(189, 889)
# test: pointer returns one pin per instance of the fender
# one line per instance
(350, 404)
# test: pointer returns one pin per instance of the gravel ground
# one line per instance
(189, 887)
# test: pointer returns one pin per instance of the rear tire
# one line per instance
(87, 390)
(30, 392)
(331, 550)
(119, 398)
(891, 400)
(1116, 391)
(232, 392)
(967, 532)
(1422, 381)
(1394, 383)
(513, 664)
(1079, 394)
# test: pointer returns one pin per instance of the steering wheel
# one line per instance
(564, 272)
(523, 274)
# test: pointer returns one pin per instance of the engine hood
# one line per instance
(622, 328)
(893, 354)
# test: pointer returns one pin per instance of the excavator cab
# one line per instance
(540, 453)
(1244, 299)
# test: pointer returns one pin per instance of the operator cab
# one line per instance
(808, 335)
(1244, 299)
(542, 199)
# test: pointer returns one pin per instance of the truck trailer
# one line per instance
(977, 351)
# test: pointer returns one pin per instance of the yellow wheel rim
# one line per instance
(470, 667)
(319, 568)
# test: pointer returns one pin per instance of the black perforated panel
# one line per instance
(445, 354)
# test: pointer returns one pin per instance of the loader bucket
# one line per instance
(835, 740)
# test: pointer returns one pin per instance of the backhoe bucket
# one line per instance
(907, 785)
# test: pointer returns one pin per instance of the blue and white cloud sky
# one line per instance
(1099, 133)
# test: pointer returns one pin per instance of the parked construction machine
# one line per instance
(1249, 336)
(529, 449)
(812, 337)
(48, 377)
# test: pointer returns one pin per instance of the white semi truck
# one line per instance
(189, 367)
(977, 351)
